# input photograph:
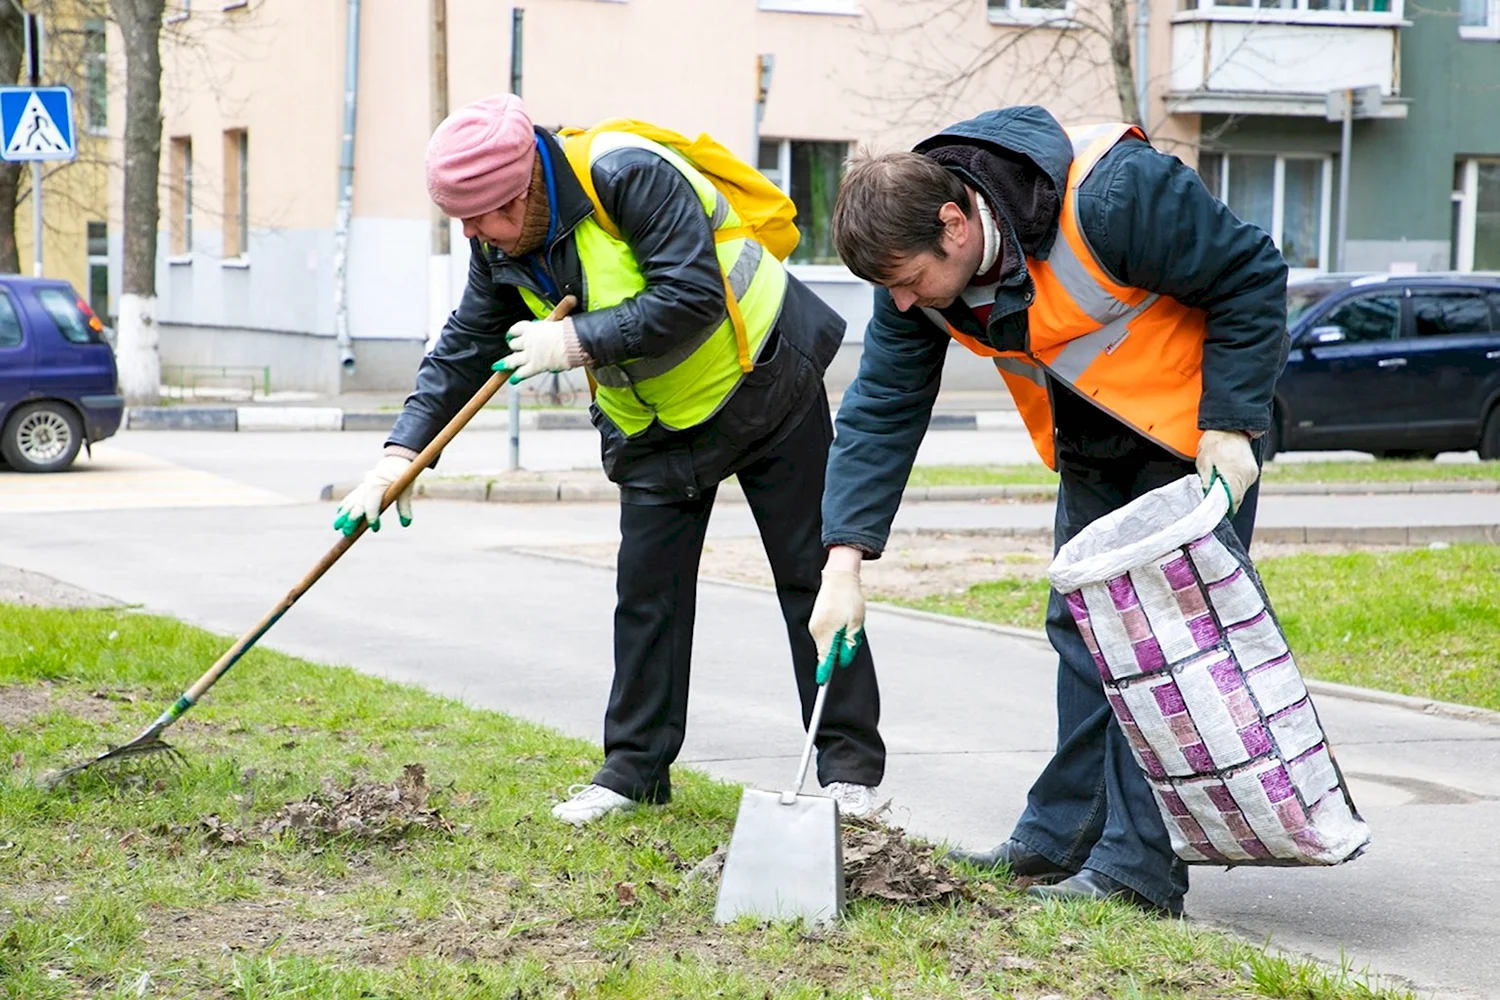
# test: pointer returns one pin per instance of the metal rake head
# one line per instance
(151, 749)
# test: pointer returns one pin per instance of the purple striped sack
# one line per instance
(1204, 686)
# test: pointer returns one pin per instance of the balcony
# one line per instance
(1252, 58)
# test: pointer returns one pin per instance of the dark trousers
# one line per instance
(1091, 807)
(657, 583)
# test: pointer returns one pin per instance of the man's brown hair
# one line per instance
(887, 211)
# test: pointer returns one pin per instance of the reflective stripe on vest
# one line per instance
(691, 382)
(1135, 354)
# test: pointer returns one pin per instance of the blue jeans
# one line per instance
(1091, 807)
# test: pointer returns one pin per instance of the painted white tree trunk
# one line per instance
(136, 352)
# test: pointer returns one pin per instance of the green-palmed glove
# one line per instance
(1228, 457)
(363, 502)
(838, 621)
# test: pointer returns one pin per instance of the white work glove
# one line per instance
(838, 620)
(540, 345)
(1228, 455)
(363, 502)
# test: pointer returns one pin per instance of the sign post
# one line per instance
(1345, 106)
(36, 124)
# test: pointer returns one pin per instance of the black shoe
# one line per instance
(1022, 861)
(1089, 884)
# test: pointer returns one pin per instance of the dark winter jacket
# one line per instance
(662, 219)
(1151, 224)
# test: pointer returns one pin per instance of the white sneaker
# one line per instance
(589, 802)
(854, 800)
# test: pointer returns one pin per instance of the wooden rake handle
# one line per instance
(421, 462)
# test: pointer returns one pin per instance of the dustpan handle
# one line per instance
(807, 748)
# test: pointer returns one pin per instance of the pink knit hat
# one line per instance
(480, 157)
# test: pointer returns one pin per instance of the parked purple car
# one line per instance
(58, 388)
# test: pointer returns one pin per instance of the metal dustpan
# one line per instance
(785, 858)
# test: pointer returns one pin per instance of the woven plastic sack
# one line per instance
(1204, 686)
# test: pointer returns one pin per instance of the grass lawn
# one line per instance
(218, 879)
(1424, 623)
(1380, 471)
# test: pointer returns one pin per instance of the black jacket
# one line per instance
(1151, 224)
(660, 216)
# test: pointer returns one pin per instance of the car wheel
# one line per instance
(42, 437)
(1489, 441)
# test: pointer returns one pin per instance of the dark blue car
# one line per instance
(58, 387)
(1401, 365)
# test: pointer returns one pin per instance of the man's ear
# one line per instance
(955, 223)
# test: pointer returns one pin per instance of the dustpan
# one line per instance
(785, 857)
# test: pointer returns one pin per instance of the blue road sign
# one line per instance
(36, 123)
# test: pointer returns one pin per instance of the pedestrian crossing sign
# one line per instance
(36, 123)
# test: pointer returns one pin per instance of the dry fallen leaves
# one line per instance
(879, 861)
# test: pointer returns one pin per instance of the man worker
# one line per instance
(675, 409)
(1140, 327)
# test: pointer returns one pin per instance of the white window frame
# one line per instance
(1263, 11)
(1278, 197)
(1016, 12)
(97, 260)
(181, 14)
(1487, 32)
(95, 62)
(1467, 197)
(783, 180)
(842, 8)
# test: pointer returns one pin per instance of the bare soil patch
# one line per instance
(917, 564)
(22, 703)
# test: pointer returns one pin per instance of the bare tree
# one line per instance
(942, 59)
(12, 51)
(139, 360)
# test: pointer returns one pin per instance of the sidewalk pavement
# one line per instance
(968, 719)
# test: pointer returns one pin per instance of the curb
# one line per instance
(323, 418)
(332, 418)
(489, 491)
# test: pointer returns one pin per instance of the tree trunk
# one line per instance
(136, 351)
(12, 52)
(1119, 56)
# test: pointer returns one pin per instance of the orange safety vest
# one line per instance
(1135, 354)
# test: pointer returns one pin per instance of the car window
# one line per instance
(62, 306)
(1448, 313)
(1495, 309)
(1302, 298)
(1367, 319)
(10, 323)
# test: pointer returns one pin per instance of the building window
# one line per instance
(1010, 11)
(96, 81)
(811, 6)
(182, 196)
(236, 193)
(1476, 223)
(177, 11)
(1479, 19)
(98, 238)
(1297, 10)
(1287, 196)
(810, 172)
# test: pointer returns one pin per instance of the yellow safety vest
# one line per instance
(690, 383)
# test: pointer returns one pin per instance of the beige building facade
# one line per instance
(255, 269)
(253, 94)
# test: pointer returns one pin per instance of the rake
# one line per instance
(149, 743)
